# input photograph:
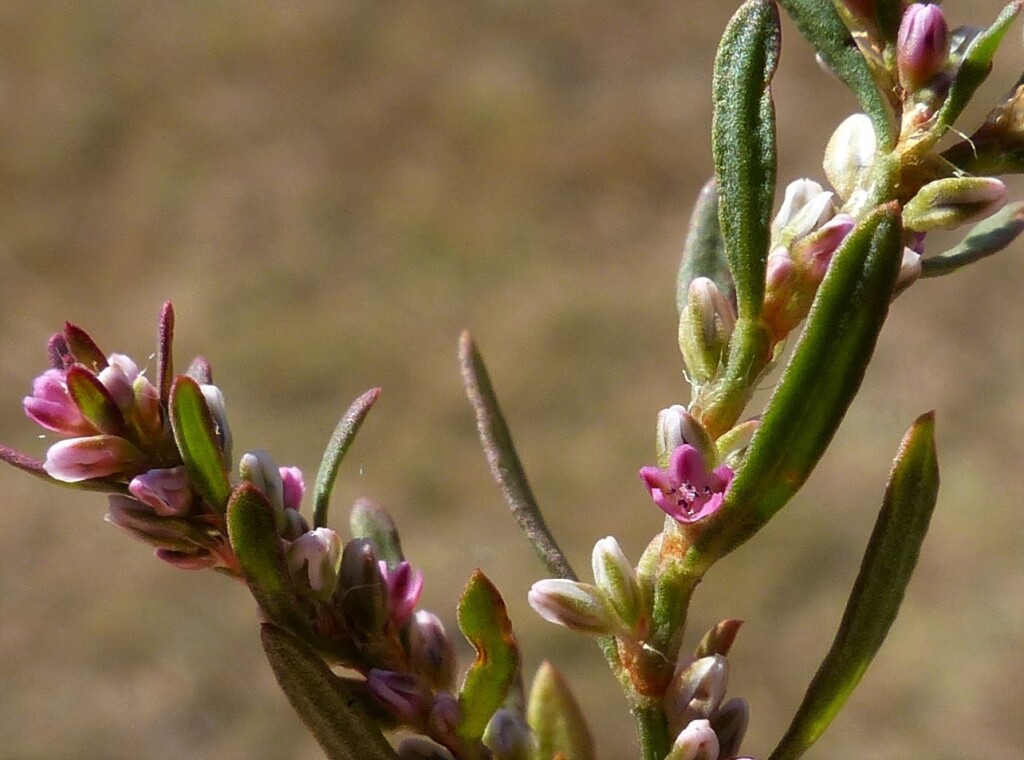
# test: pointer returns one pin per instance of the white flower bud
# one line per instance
(850, 154)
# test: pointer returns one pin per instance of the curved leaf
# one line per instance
(164, 363)
(878, 591)
(817, 386)
(704, 251)
(195, 433)
(325, 703)
(985, 238)
(485, 624)
(341, 439)
(83, 348)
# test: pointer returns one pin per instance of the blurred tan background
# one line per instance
(329, 192)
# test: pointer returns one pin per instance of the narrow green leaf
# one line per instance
(196, 436)
(878, 591)
(252, 531)
(95, 402)
(556, 718)
(326, 704)
(485, 624)
(743, 143)
(817, 386)
(164, 363)
(506, 469)
(371, 521)
(704, 250)
(820, 24)
(975, 67)
(341, 439)
(985, 238)
(83, 348)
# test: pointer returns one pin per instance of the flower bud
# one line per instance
(805, 207)
(421, 748)
(719, 639)
(705, 326)
(117, 377)
(431, 652)
(293, 488)
(314, 556)
(910, 270)
(948, 203)
(696, 690)
(215, 402)
(294, 525)
(922, 45)
(96, 456)
(403, 695)
(508, 736)
(677, 426)
(147, 412)
(445, 715)
(850, 154)
(730, 724)
(51, 407)
(813, 253)
(695, 742)
(361, 593)
(260, 469)
(404, 586)
(575, 605)
(167, 492)
(614, 576)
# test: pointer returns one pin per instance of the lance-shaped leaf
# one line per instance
(325, 703)
(878, 591)
(704, 250)
(164, 363)
(341, 439)
(743, 143)
(985, 238)
(195, 433)
(95, 402)
(556, 718)
(484, 622)
(371, 521)
(974, 68)
(83, 348)
(502, 458)
(820, 24)
(252, 531)
(817, 386)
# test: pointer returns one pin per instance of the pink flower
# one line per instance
(97, 456)
(166, 491)
(685, 490)
(51, 406)
(404, 584)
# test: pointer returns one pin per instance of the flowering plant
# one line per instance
(830, 260)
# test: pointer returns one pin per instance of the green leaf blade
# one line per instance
(484, 622)
(195, 434)
(985, 238)
(704, 249)
(555, 717)
(878, 592)
(95, 402)
(341, 439)
(326, 705)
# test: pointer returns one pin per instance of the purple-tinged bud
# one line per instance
(705, 326)
(431, 653)
(293, 487)
(445, 715)
(314, 557)
(403, 695)
(260, 469)
(805, 207)
(147, 412)
(696, 690)
(294, 525)
(780, 271)
(948, 203)
(615, 577)
(117, 377)
(508, 736)
(96, 456)
(167, 492)
(695, 742)
(575, 605)
(730, 725)
(922, 45)
(405, 585)
(421, 748)
(51, 407)
(215, 402)
(677, 426)
(850, 154)
(813, 253)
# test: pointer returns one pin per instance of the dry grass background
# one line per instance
(329, 192)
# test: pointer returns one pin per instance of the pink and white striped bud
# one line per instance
(696, 690)
(96, 456)
(677, 426)
(813, 253)
(260, 469)
(615, 577)
(166, 492)
(697, 741)
(948, 203)
(850, 154)
(314, 557)
(705, 327)
(922, 45)
(805, 207)
(51, 407)
(578, 606)
(117, 377)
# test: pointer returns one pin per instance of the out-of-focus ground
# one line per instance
(330, 192)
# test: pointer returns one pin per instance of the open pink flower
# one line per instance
(685, 490)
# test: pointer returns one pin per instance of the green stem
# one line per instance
(651, 728)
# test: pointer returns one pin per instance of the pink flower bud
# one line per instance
(167, 492)
(614, 576)
(813, 254)
(922, 45)
(697, 741)
(318, 552)
(97, 456)
(430, 650)
(51, 407)
(117, 377)
(405, 585)
(292, 486)
(696, 690)
(578, 606)
(401, 694)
